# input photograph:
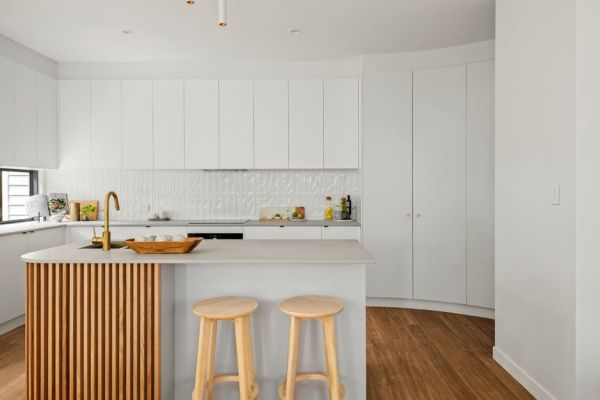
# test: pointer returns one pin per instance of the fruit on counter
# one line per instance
(151, 238)
(298, 213)
(140, 239)
(178, 238)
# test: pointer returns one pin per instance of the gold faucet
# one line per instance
(105, 239)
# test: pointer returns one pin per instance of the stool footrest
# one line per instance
(310, 376)
(254, 390)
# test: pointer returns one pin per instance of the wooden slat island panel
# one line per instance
(93, 331)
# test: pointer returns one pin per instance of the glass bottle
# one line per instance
(328, 209)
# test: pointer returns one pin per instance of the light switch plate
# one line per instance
(555, 194)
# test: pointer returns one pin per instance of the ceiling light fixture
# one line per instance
(295, 31)
(222, 13)
(128, 32)
(191, 2)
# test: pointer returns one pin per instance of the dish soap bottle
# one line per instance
(328, 209)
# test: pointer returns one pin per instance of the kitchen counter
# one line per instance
(219, 252)
(134, 312)
(9, 229)
(308, 222)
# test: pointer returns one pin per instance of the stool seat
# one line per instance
(227, 307)
(311, 306)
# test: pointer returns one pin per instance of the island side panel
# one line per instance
(80, 330)
(269, 284)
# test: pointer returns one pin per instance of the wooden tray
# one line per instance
(163, 247)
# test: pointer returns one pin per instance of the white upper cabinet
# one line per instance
(341, 123)
(169, 136)
(47, 122)
(236, 109)
(106, 124)
(480, 184)
(202, 124)
(306, 123)
(440, 184)
(138, 145)
(75, 136)
(271, 124)
(25, 116)
(7, 111)
(387, 180)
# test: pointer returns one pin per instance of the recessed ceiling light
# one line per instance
(128, 32)
(191, 2)
(295, 31)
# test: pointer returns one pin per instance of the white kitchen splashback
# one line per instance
(198, 194)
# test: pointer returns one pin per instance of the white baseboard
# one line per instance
(12, 324)
(536, 390)
(431, 306)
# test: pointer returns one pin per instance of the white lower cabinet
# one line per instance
(282, 232)
(12, 276)
(12, 269)
(340, 232)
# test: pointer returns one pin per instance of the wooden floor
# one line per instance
(414, 354)
(410, 355)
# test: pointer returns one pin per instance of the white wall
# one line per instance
(535, 147)
(588, 200)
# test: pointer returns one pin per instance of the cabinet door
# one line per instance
(83, 233)
(47, 122)
(12, 276)
(236, 123)
(340, 233)
(341, 123)
(306, 123)
(138, 143)
(25, 116)
(45, 239)
(169, 136)
(106, 124)
(75, 136)
(387, 180)
(480, 184)
(202, 124)
(282, 232)
(7, 111)
(271, 123)
(440, 184)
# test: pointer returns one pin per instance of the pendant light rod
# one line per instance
(223, 13)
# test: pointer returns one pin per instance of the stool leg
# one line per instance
(249, 353)
(331, 357)
(294, 344)
(240, 343)
(210, 373)
(203, 337)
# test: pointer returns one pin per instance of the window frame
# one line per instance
(33, 190)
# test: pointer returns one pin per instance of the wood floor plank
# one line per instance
(411, 354)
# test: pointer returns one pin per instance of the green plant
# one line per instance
(88, 209)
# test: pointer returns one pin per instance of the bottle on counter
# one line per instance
(344, 208)
(328, 209)
(348, 208)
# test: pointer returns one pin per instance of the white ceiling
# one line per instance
(170, 30)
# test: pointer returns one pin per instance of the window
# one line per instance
(15, 187)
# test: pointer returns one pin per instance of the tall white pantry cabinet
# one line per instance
(428, 183)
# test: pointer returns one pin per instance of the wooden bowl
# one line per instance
(186, 246)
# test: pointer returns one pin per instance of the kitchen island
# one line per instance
(106, 324)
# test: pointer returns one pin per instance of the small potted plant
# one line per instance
(86, 211)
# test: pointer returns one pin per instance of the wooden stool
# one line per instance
(238, 310)
(312, 307)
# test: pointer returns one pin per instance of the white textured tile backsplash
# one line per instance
(195, 194)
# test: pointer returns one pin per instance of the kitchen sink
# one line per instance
(113, 245)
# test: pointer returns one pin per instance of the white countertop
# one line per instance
(219, 252)
(19, 227)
